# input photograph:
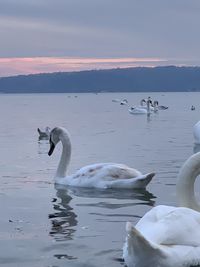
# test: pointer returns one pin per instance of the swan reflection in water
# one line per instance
(144, 196)
(63, 220)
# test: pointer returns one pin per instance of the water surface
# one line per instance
(44, 225)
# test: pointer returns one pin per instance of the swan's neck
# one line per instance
(155, 106)
(185, 183)
(148, 107)
(65, 156)
(142, 102)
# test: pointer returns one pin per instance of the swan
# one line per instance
(137, 110)
(163, 107)
(100, 175)
(154, 106)
(196, 133)
(142, 109)
(143, 102)
(124, 102)
(115, 100)
(168, 236)
(45, 134)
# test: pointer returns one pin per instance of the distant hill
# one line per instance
(139, 79)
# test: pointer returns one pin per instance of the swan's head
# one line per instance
(48, 129)
(149, 101)
(55, 136)
(143, 102)
(53, 139)
(155, 103)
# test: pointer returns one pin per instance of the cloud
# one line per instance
(100, 28)
(16, 66)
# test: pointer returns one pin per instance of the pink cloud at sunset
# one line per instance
(17, 66)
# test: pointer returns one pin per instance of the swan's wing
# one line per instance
(141, 244)
(119, 171)
(171, 226)
(140, 251)
(108, 171)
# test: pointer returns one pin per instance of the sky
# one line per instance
(72, 35)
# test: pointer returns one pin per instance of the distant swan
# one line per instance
(137, 110)
(154, 106)
(142, 109)
(168, 236)
(162, 107)
(124, 102)
(143, 102)
(100, 175)
(115, 100)
(45, 134)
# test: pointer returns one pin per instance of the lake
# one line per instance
(44, 225)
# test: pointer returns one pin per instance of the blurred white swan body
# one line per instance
(168, 236)
(142, 109)
(138, 110)
(115, 100)
(196, 133)
(100, 175)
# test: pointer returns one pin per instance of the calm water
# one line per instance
(41, 225)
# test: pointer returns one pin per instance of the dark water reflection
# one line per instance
(140, 194)
(63, 219)
(85, 235)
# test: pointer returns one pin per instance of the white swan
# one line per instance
(115, 100)
(168, 236)
(143, 102)
(163, 107)
(142, 109)
(101, 175)
(154, 106)
(196, 133)
(137, 110)
(45, 134)
(124, 102)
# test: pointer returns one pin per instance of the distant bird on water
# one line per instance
(44, 134)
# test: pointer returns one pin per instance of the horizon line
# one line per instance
(38, 65)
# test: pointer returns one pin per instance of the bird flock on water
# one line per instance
(166, 236)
